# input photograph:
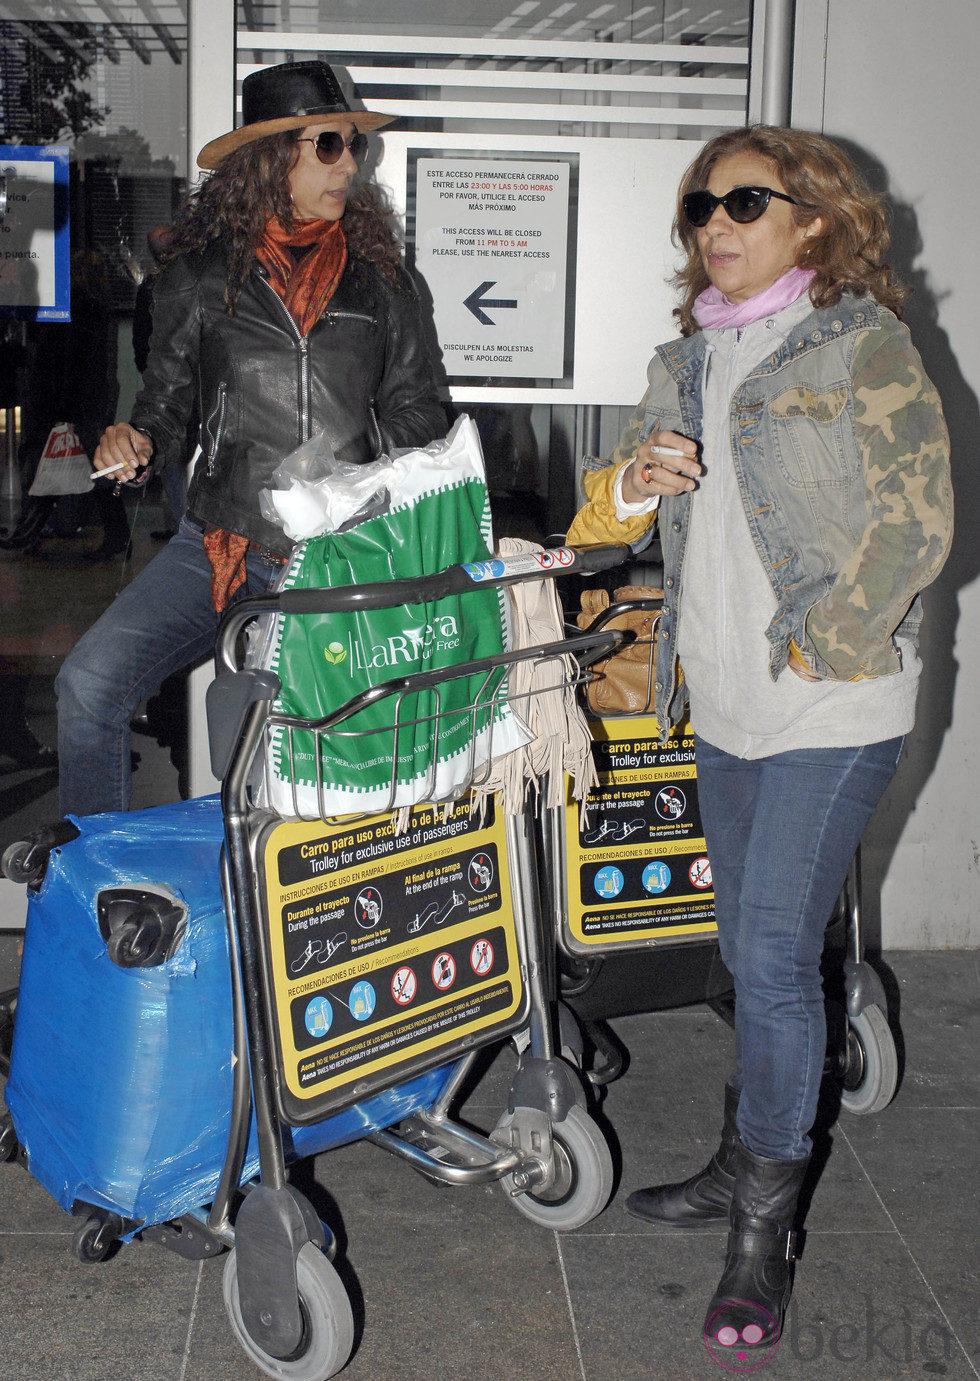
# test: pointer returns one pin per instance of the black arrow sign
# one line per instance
(476, 302)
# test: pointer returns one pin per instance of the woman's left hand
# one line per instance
(796, 664)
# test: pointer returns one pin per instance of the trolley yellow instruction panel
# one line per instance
(385, 949)
(636, 864)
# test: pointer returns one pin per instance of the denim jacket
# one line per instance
(842, 460)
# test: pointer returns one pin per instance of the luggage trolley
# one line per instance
(354, 972)
(628, 871)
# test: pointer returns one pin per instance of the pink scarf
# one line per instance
(713, 309)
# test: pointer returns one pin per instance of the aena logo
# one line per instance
(335, 652)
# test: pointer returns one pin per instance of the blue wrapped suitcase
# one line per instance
(120, 1081)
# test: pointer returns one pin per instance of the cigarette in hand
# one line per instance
(109, 469)
(647, 471)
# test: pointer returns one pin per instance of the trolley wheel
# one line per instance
(8, 1138)
(95, 1238)
(328, 1320)
(14, 862)
(133, 942)
(583, 1180)
(871, 1076)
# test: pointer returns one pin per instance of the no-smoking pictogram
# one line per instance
(700, 872)
(481, 957)
(404, 985)
(443, 970)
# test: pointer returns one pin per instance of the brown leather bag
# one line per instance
(623, 684)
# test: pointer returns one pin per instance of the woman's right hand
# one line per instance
(651, 472)
(121, 444)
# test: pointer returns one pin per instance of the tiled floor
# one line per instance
(455, 1283)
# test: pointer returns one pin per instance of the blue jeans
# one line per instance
(161, 622)
(781, 832)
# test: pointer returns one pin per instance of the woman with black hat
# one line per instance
(283, 311)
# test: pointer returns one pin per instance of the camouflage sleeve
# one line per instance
(596, 520)
(904, 447)
(628, 441)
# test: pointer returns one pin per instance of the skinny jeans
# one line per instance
(781, 832)
(162, 622)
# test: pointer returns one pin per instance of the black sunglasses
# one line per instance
(330, 145)
(743, 204)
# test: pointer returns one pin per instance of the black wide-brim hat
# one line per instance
(291, 95)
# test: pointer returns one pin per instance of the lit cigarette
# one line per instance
(110, 469)
(666, 451)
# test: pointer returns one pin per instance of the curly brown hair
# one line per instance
(249, 186)
(847, 255)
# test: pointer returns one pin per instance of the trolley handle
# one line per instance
(586, 647)
(384, 594)
(455, 580)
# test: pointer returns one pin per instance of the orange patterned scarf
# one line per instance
(306, 286)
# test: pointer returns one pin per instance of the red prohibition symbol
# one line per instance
(481, 957)
(700, 873)
(443, 970)
(404, 985)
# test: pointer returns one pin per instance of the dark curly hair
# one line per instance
(249, 186)
(849, 253)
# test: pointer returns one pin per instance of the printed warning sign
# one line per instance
(385, 949)
(491, 241)
(636, 864)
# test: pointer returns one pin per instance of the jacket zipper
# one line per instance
(334, 317)
(305, 392)
(303, 351)
(303, 346)
(219, 410)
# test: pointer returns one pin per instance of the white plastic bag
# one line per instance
(313, 492)
(64, 467)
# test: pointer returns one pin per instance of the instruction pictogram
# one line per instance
(368, 907)
(404, 985)
(609, 882)
(700, 873)
(318, 951)
(319, 1016)
(670, 803)
(443, 970)
(656, 878)
(363, 1000)
(481, 957)
(480, 872)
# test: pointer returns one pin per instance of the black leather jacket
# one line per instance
(362, 375)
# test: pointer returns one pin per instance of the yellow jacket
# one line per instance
(596, 520)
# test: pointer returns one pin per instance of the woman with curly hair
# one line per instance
(794, 455)
(282, 311)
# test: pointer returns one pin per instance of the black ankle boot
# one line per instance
(703, 1199)
(746, 1313)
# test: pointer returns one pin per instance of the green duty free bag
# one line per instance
(439, 516)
